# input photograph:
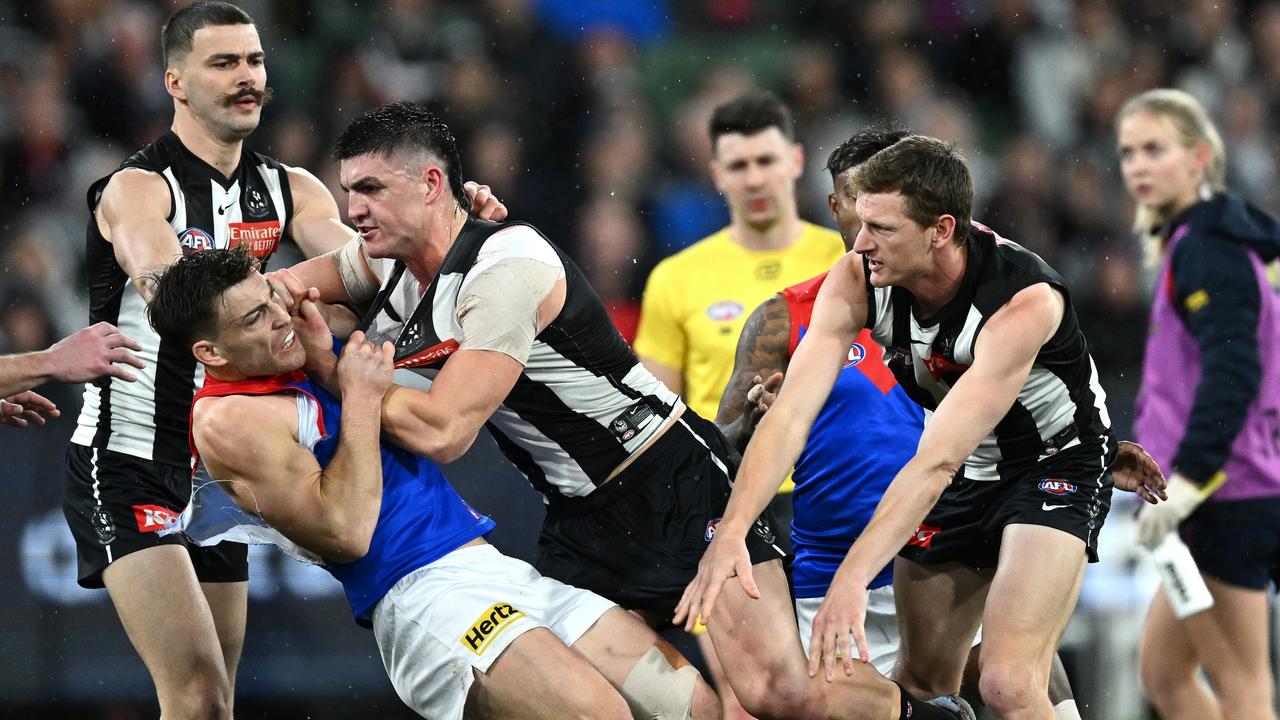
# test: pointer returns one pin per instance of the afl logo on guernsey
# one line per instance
(710, 533)
(1057, 487)
(724, 310)
(194, 240)
(857, 354)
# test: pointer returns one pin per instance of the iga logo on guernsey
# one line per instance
(1057, 487)
(724, 310)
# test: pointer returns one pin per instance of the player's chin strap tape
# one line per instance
(655, 689)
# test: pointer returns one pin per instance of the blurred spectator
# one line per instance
(34, 163)
(1114, 318)
(410, 44)
(611, 248)
(684, 203)
(640, 21)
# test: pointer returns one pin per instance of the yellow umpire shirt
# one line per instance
(696, 302)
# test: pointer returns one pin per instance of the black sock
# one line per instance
(913, 708)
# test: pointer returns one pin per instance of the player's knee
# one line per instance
(202, 697)
(772, 697)
(655, 688)
(1007, 687)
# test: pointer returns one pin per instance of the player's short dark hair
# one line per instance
(176, 35)
(749, 114)
(860, 147)
(385, 130)
(930, 175)
(186, 297)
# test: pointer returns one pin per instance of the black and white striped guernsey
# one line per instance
(1061, 404)
(583, 403)
(148, 418)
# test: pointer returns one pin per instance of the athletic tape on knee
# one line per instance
(656, 690)
(360, 287)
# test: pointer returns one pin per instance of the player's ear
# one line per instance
(173, 84)
(944, 230)
(208, 354)
(434, 183)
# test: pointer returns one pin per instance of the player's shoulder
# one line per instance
(136, 191)
(805, 291)
(517, 240)
(218, 423)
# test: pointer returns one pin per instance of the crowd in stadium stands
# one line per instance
(589, 119)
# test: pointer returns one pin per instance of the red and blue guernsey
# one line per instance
(864, 434)
(422, 518)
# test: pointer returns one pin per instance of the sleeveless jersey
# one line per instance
(583, 403)
(1060, 406)
(867, 430)
(421, 520)
(148, 418)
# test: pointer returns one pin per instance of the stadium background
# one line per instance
(588, 118)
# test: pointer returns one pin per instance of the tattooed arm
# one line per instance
(760, 360)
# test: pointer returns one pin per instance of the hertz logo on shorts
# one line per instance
(488, 625)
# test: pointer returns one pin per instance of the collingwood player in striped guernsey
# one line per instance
(512, 336)
(1017, 453)
(195, 188)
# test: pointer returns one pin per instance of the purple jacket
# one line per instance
(1210, 397)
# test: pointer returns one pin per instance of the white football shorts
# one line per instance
(461, 612)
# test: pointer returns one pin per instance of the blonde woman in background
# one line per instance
(1209, 407)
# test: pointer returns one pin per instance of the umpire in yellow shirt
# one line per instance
(696, 301)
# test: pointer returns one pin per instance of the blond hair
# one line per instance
(1192, 125)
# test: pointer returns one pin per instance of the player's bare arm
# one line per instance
(89, 353)
(332, 511)
(838, 315)
(760, 360)
(133, 215)
(667, 375)
(1004, 352)
(443, 422)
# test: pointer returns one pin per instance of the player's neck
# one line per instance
(777, 236)
(934, 290)
(221, 155)
(225, 373)
(441, 232)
